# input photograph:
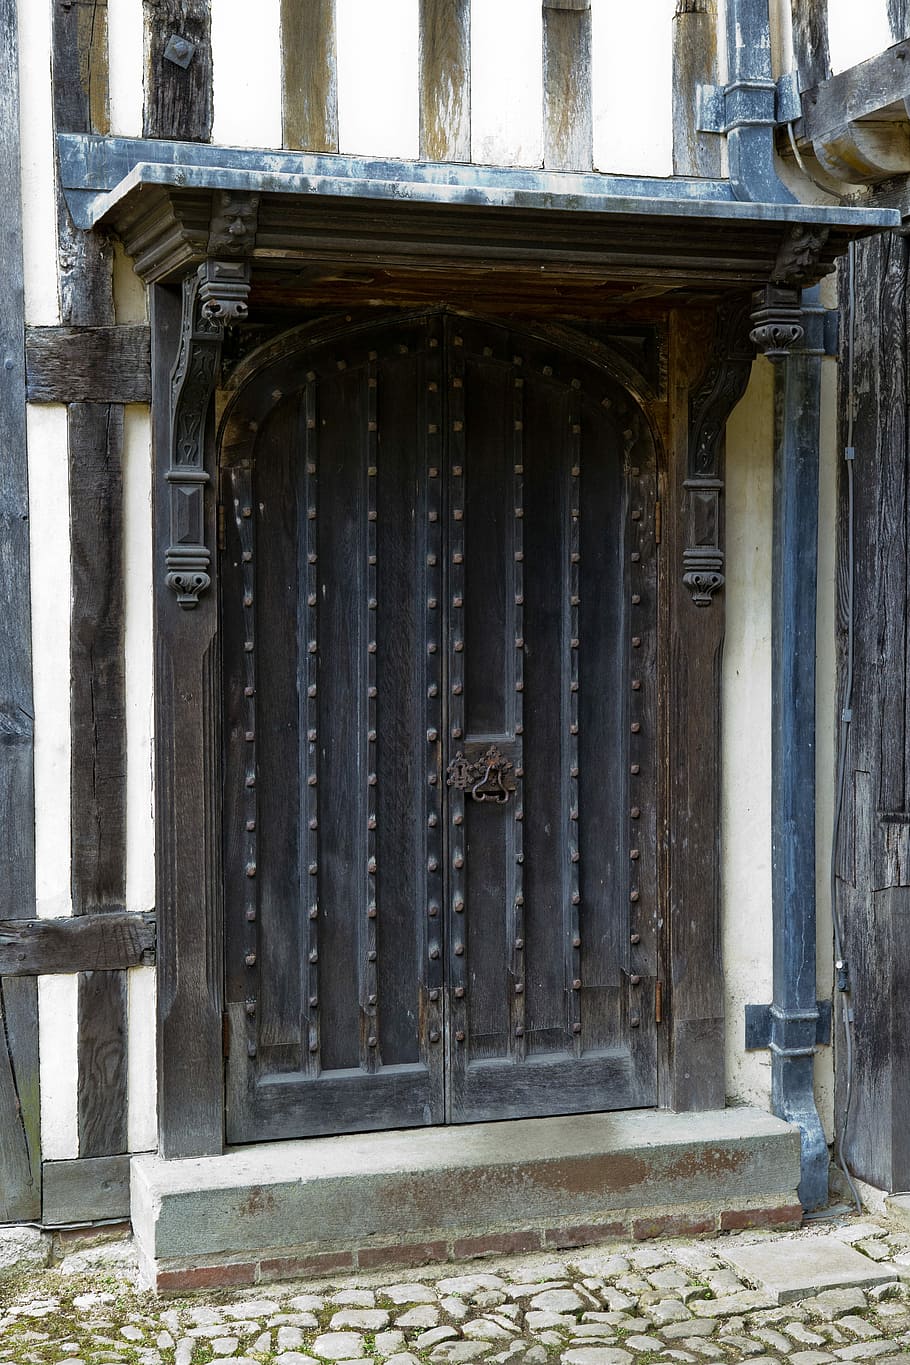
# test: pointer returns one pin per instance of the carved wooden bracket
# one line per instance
(721, 388)
(214, 296)
(777, 320)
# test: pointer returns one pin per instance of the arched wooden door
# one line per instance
(439, 618)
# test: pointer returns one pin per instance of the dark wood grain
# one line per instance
(567, 100)
(178, 100)
(445, 80)
(97, 699)
(810, 41)
(187, 813)
(694, 64)
(309, 90)
(102, 1091)
(96, 364)
(110, 942)
(87, 1190)
(81, 66)
(899, 19)
(20, 1173)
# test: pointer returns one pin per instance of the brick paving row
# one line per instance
(616, 1304)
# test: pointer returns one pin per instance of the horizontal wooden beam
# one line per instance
(105, 942)
(88, 364)
(90, 1190)
(860, 92)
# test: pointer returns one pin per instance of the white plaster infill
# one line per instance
(322, 1196)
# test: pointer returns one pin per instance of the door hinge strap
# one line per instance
(658, 1002)
(225, 1034)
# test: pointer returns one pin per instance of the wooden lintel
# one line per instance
(107, 942)
(88, 364)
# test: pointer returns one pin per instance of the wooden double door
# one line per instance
(438, 622)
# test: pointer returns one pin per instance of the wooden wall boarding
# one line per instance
(20, 1167)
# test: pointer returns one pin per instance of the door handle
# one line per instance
(485, 778)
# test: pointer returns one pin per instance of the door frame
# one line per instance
(705, 363)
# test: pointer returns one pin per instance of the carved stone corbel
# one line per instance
(711, 403)
(213, 297)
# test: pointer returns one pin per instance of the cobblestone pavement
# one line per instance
(616, 1304)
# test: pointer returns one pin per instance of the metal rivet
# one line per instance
(635, 938)
(519, 771)
(636, 515)
(576, 471)
(635, 769)
(251, 780)
(251, 1049)
(458, 646)
(432, 736)
(432, 821)
(575, 557)
(458, 558)
(519, 1032)
(431, 560)
(432, 603)
(636, 727)
(519, 857)
(251, 916)
(250, 1007)
(371, 866)
(457, 689)
(458, 819)
(458, 860)
(247, 511)
(371, 559)
(313, 869)
(248, 601)
(314, 1047)
(519, 899)
(314, 824)
(434, 953)
(311, 513)
(311, 780)
(576, 942)
(432, 911)
(573, 687)
(634, 471)
(371, 692)
(459, 1036)
(459, 906)
(248, 646)
(519, 687)
(247, 556)
(519, 988)
(575, 855)
(573, 728)
(251, 869)
(634, 1020)
(432, 864)
(635, 980)
(372, 912)
(636, 684)
(314, 912)
(311, 557)
(635, 854)
(432, 779)
(433, 690)
(519, 944)
(634, 896)
(458, 514)
(636, 599)
(576, 1028)
(459, 992)
(433, 516)
(249, 736)
(519, 815)
(457, 732)
(250, 959)
(519, 599)
(314, 1001)
(432, 648)
(459, 950)
(311, 600)
(250, 825)
(434, 1036)
(635, 812)
(636, 557)
(434, 994)
(371, 1041)
(371, 647)
(249, 691)
(519, 642)
(457, 601)
(519, 556)
(372, 604)
(371, 955)
(576, 898)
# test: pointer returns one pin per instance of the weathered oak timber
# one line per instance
(20, 1172)
(899, 18)
(810, 41)
(187, 823)
(694, 64)
(848, 120)
(97, 702)
(873, 868)
(91, 1189)
(178, 98)
(567, 104)
(445, 80)
(309, 90)
(690, 685)
(81, 66)
(114, 941)
(95, 364)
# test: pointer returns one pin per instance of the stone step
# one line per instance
(285, 1209)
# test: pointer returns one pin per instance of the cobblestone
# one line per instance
(672, 1301)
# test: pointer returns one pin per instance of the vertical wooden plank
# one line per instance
(567, 103)
(810, 41)
(445, 80)
(20, 1165)
(899, 19)
(187, 821)
(97, 695)
(81, 66)
(178, 98)
(309, 83)
(694, 64)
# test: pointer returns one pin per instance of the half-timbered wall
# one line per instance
(383, 83)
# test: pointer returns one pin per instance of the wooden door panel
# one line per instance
(444, 543)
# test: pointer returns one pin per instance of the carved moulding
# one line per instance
(711, 403)
(213, 297)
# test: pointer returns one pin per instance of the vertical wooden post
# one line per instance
(899, 19)
(694, 64)
(309, 96)
(568, 129)
(97, 668)
(445, 80)
(178, 96)
(20, 1164)
(810, 40)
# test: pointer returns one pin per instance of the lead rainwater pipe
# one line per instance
(751, 119)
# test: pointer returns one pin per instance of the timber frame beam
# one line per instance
(856, 124)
